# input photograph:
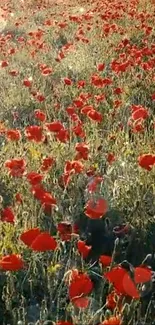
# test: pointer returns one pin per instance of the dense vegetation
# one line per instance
(77, 162)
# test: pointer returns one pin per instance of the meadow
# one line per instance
(77, 162)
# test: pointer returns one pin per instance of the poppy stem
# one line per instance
(147, 311)
(100, 276)
(97, 313)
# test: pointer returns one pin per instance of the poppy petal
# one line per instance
(142, 274)
(44, 242)
(11, 262)
(29, 236)
(122, 282)
(82, 302)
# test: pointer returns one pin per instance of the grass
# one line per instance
(115, 134)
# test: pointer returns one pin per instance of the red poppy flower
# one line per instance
(34, 133)
(96, 209)
(81, 83)
(67, 81)
(62, 135)
(27, 83)
(83, 249)
(13, 135)
(142, 274)
(4, 64)
(122, 282)
(97, 81)
(118, 91)
(48, 199)
(29, 236)
(11, 263)
(65, 230)
(60, 56)
(12, 51)
(146, 161)
(107, 81)
(70, 110)
(83, 150)
(95, 116)
(99, 98)
(74, 167)
(91, 171)
(38, 192)
(16, 167)
(79, 288)
(7, 215)
(78, 102)
(100, 66)
(44, 242)
(138, 127)
(40, 115)
(105, 260)
(18, 198)
(46, 72)
(47, 163)
(39, 97)
(64, 180)
(55, 126)
(111, 302)
(62, 24)
(13, 73)
(111, 158)
(140, 113)
(78, 131)
(93, 183)
(43, 196)
(34, 178)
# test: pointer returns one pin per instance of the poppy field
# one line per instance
(77, 162)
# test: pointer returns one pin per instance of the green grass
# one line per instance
(127, 187)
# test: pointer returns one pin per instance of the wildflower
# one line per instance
(96, 209)
(146, 161)
(34, 178)
(67, 81)
(65, 230)
(34, 133)
(105, 260)
(44, 242)
(125, 278)
(16, 167)
(95, 116)
(55, 126)
(80, 286)
(4, 64)
(13, 135)
(29, 236)
(27, 83)
(7, 215)
(40, 115)
(111, 158)
(11, 262)
(100, 66)
(47, 163)
(38, 241)
(83, 249)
